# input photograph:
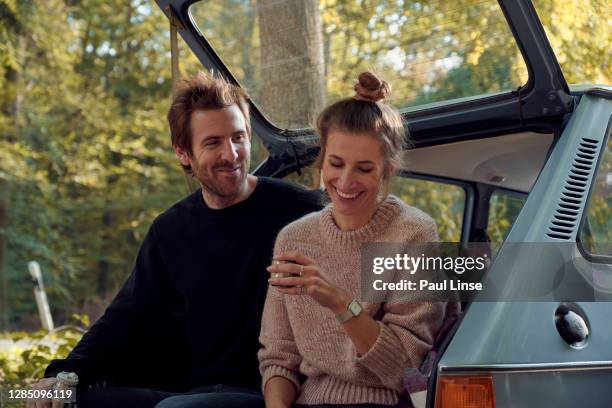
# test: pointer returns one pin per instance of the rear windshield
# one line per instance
(580, 33)
(297, 56)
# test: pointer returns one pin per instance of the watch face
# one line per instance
(355, 307)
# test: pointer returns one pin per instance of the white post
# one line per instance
(41, 296)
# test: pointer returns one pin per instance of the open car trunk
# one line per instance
(513, 148)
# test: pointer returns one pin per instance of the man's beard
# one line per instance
(218, 185)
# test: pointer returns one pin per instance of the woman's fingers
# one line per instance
(294, 269)
(294, 256)
(297, 281)
(293, 290)
(301, 285)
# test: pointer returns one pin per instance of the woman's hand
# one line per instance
(309, 280)
(363, 330)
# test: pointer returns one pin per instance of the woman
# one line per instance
(320, 346)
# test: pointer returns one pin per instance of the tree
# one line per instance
(86, 157)
(291, 60)
(581, 36)
(3, 299)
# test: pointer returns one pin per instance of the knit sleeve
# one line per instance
(407, 333)
(427, 231)
(279, 355)
(407, 329)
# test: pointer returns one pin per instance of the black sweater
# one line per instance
(189, 314)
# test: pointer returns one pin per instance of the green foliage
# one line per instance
(580, 34)
(428, 50)
(84, 148)
(503, 211)
(25, 362)
(23, 366)
(443, 202)
(596, 233)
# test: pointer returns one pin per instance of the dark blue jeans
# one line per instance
(221, 396)
(343, 406)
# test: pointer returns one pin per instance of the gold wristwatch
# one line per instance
(354, 309)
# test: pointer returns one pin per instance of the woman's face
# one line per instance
(353, 169)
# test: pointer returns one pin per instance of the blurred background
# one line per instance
(85, 156)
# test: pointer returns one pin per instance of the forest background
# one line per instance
(85, 156)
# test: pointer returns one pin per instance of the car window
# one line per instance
(308, 177)
(580, 34)
(504, 207)
(445, 203)
(596, 231)
(295, 57)
(258, 151)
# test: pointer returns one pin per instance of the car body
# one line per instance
(531, 144)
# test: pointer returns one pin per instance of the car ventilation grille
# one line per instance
(566, 215)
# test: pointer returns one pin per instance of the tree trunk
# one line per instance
(293, 88)
(247, 49)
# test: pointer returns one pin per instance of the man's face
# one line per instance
(220, 153)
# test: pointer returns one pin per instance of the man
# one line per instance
(183, 329)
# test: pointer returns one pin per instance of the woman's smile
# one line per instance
(347, 196)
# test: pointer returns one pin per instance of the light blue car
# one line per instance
(505, 153)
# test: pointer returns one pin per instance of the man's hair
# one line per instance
(202, 91)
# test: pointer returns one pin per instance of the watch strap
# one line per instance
(353, 309)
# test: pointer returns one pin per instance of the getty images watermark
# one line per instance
(427, 265)
(479, 272)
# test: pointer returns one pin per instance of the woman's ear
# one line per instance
(391, 170)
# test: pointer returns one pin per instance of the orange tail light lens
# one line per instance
(465, 392)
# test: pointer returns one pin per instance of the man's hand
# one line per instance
(43, 384)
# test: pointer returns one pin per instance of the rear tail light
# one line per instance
(465, 392)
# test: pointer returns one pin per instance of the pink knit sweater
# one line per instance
(303, 342)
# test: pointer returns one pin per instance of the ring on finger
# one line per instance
(301, 270)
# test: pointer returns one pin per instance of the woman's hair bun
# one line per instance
(371, 88)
